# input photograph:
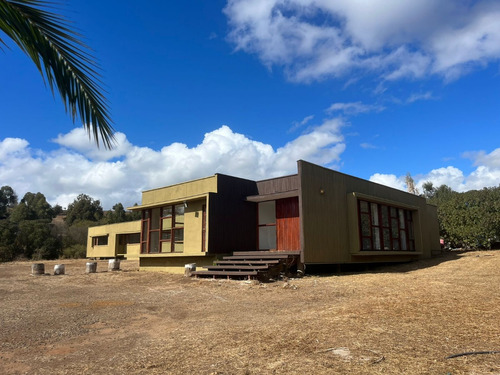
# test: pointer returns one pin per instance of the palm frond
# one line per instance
(62, 59)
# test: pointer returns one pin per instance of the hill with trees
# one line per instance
(33, 229)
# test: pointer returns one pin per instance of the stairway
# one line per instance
(259, 265)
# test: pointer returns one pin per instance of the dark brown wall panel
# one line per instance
(325, 213)
(232, 220)
(278, 185)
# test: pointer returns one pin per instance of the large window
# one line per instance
(172, 228)
(383, 227)
(163, 229)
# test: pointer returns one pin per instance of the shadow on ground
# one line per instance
(361, 268)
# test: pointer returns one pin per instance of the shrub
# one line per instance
(76, 251)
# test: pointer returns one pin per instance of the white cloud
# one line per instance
(482, 158)
(78, 139)
(420, 96)
(79, 168)
(63, 174)
(389, 180)
(12, 146)
(354, 108)
(297, 124)
(314, 39)
(487, 174)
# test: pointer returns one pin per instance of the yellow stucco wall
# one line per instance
(112, 231)
(179, 192)
(193, 217)
(174, 264)
(192, 193)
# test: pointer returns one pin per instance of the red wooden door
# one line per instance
(287, 224)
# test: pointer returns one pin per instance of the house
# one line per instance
(327, 217)
(121, 240)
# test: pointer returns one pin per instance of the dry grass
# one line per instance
(401, 319)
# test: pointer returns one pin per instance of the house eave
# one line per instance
(272, 197)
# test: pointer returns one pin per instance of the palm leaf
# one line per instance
(62, 59)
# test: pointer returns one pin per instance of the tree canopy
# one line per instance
(8, 199)
(470, 219)
(83, 208)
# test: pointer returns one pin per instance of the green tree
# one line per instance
(84, 207)
(429, 190)
(32, 207)
(8, 233)
(134, 215)
(117, 214)
(38, 206)
(470, 219)
(8, 199)
(62, 59)
(57, 210)
(34, 240)
(20, 213)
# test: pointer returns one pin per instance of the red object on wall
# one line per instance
(288, 224)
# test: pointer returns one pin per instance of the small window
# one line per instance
(100, 241)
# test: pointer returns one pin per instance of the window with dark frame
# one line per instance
(133, 238)
(146, 214)
(385, 228)
(100, 241)
(129, 239)
(163, 229)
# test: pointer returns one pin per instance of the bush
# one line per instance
(51, 249)
(77, 251)
(6, 254)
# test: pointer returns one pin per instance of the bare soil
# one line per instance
(403, 319)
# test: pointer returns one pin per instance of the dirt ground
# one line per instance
(402, 319)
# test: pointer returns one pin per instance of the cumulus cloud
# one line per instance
(79, 167)
(12, 146)
(78, 139)
(487, 174)
(482, 158)
(72, 169)
(314, 39)
(389, 180)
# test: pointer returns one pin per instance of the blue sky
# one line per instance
(372, 89)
